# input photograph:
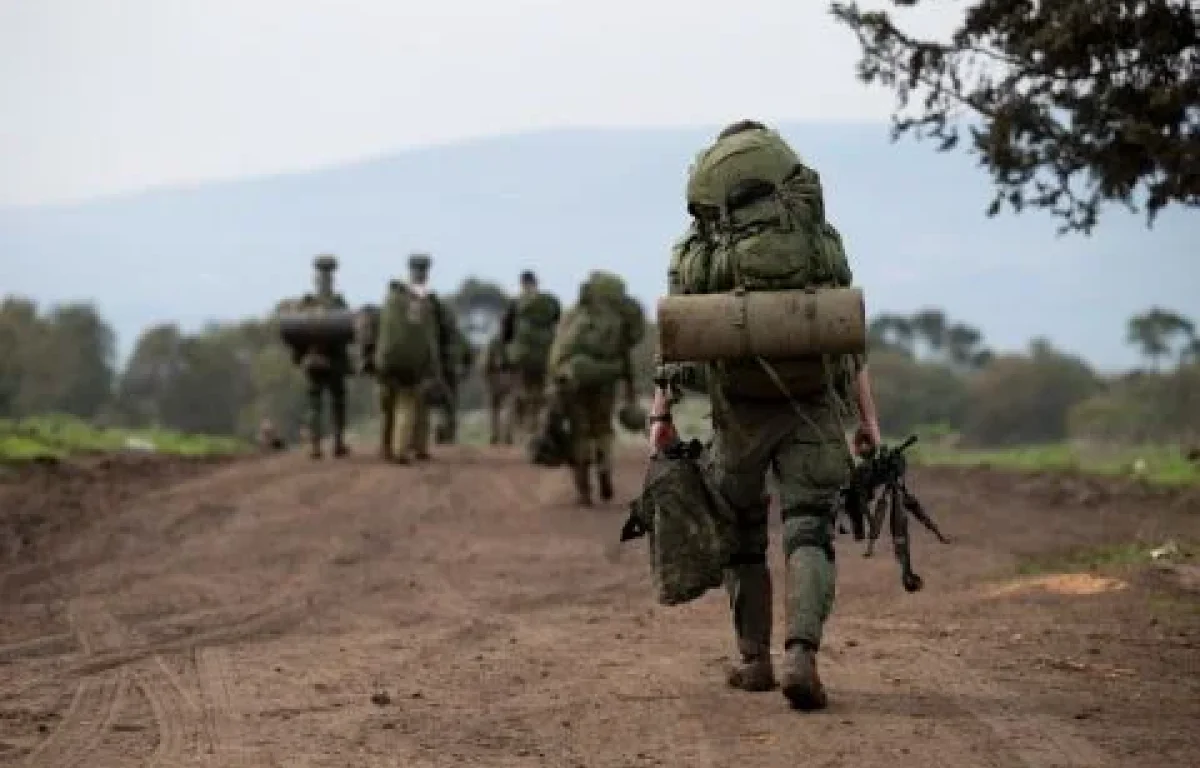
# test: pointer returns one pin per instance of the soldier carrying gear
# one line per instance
(528, 328)
(326, 364)
(590, 357)
(759, 224)
(409, 362)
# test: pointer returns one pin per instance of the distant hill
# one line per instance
(563, 202)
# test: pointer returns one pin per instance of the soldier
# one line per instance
(781, 416)
(459, 358)
(498, 379)
(528, 328)
(325, 365)
(409, 362)
(590, 357)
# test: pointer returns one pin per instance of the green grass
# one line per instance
(56, 437)
(1160, 465)
(1090, 559)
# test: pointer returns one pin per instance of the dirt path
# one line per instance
(278, 612)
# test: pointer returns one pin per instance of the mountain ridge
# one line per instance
(563, 201)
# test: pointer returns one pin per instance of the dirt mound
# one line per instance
(40, 501)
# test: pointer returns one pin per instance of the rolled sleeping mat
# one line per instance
(302, 329)
(773, 325)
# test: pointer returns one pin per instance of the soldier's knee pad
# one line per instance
(808, 526)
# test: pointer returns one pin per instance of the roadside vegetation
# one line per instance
(56, 437)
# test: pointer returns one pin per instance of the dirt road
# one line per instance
(280, 612)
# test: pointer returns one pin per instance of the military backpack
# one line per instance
(535, 317)
(759, 225)
(407, 348)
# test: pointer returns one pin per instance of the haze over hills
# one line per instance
(563, 202)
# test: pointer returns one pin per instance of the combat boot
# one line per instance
(604, 480)
(749, 588)
(315, 452)
(801, 683)
(340, 449)
(583, 485)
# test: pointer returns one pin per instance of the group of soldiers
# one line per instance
(758, 223)
(515, 366)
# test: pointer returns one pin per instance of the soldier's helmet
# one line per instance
(326, 262)
(419, 261)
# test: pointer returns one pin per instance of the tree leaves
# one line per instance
(1077, 104)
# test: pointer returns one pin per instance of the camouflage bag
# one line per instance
(593, 341)
(689, 527)
(536, 317)
(759, 225)
(406, 348)
(550, 445)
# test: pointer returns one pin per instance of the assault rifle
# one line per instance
(880, 478)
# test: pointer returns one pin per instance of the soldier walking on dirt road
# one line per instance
(326, 365)
(759, 224)
(528, 331)
(409, 362)
(589, 359)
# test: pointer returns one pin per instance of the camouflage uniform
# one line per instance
(529, 398)
(589, 408)
(590, 413)
(407, 401)
(326, 367)
(458, 360)
(801, 441)
(499, 380)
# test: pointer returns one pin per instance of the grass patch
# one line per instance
(56, 437)
(1099, 558)
(1159, 465)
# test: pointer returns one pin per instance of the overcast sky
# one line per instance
(105, 96)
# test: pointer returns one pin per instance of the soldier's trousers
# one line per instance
(500, 385)
(447, 431)
(810, 460)
(403, 403)
(530, 399)
(333, 383)
(590, 413)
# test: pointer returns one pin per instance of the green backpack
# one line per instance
(406, 349)
(596, 336)
(536, 317)
(759, 225)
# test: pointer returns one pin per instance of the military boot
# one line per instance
(315, 451)
(604, 477)
(583, 484)
(800, 681)
(387, 431)
(749, 588)
(339, 431)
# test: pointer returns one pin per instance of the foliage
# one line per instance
(1025, 399)
(1072, 103)
(1163, 465)
(910, 394)
(1143, 407)
(57, 436)
(1158, 333)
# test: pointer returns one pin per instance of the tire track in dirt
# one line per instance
(214, 670)
(97, 700)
